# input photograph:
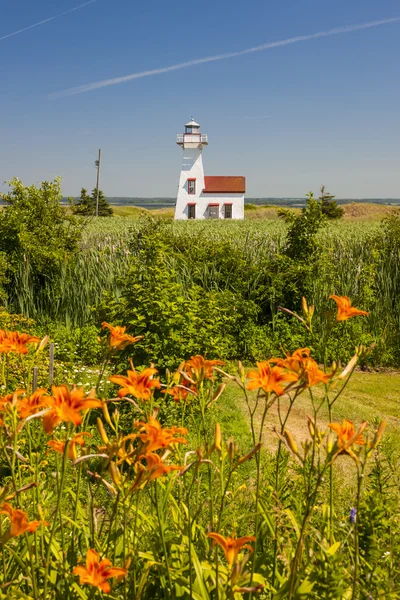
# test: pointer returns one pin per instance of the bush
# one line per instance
(37, 236)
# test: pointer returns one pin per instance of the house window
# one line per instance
(213, 211)
(191, 186)
(191, 211)
(228, 211)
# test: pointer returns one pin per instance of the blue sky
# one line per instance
(288, 118)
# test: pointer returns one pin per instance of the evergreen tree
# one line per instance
(105, 209)
(85, 205)
(329, 206)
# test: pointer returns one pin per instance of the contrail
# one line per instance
(67, 12)
(199, 61)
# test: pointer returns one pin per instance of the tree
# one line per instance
(105, 209)
(37, 236)
(86, 205)
(329, 206)
(301, 242)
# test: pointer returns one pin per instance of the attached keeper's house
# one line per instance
(201, 196)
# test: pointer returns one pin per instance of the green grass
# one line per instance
(368, 396)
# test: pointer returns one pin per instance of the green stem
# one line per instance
(161, 526)
(258, 459)
(356, 533)
(53, 528)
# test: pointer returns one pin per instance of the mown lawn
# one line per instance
(368, 395)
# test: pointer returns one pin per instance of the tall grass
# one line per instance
(349, 262)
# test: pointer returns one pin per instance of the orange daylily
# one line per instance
(77, 440)
(312, 374)
(13, 341)
(232, 546)
(347, 436)
(179, 393)
(269, 378)
(29, 405)
(118, 339)
(137, 384)
(98, 571)
(199, 368)
(154, 437)
(19, 521)
(66, 406)
(304, 366)
(345, 310)
(9, 398)
(156, 468)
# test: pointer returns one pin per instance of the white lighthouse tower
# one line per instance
(199, 196)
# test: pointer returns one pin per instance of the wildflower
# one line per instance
(232, 546)
(97, 571)
(156, 467)
(13, 341)
(179, 393)
(154, 437)
(269, 378)
(29, 405)
(137, 384)
(304, 366)
(347, 436)
(353, 516)
(19, 521)
(345, 310)
(66, 406)
(118, 339)
(198, 368)
(9, 398)
(77, 440)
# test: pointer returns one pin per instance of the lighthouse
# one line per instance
(201, 196)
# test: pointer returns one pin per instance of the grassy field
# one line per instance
(357, 211)
(369, 396)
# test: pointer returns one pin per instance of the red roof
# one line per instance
(224, 185)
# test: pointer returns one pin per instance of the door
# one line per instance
(213, 212)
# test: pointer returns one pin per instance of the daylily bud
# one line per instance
(307, 445)
(378, 434)
(116, 416)
(311, 310)
(102, 431)
(217, 437)
(115, 474)
(304, 306)
(241, 370)
(250, 454)
(290, 442)
(42, 345)
(350, 366)
(330, 442)
(218, 392)
(311, 427)
(231, 448)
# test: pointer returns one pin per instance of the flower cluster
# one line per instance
(13, 341)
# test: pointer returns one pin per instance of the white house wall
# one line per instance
(192, 168)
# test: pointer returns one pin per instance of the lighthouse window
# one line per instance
(191, 186)
(228, 211)
(191, 211)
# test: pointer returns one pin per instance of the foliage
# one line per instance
(301, 242)
(329, 206)
(86, 205)
(36, 235)
(118, 498)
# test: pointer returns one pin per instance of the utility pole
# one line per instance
(98, 165)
